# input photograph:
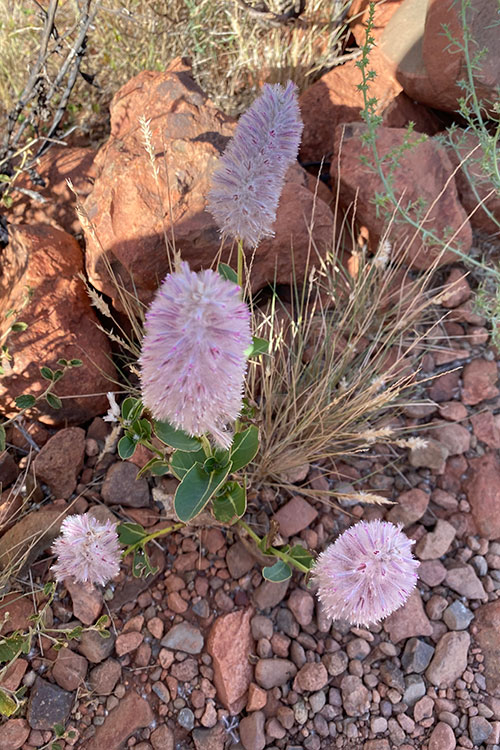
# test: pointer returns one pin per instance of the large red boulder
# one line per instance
(136, 217)
(421, 180)
(44, 263)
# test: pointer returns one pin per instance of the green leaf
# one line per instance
(19, 325)
(62, 362)
(232, 504)
(143, 428)
(58, 730)
(278, 572)
(175, 438)
(75, 363)
(58, 375)
(132, 408)
(8, 705)
(227, 272)
(2, 438)
(56, 746)
(46, 373)
(130, 533)
(53, 400)
(302, 555)
(102, 622)
(126, 447)
(258, 346)
(75, 633)
(196, 489)
(141, 565)
(245, 447)
(11, 647)
(160, 468)
(181, 462)
(26, 401)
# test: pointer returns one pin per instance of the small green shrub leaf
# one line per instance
(62, 362)
(53, 400)
(126, 447)
(132, 408)
(26, 401)
(57, 375)
(245, 447)
(196, 489)
(8, 705)
(258, 346)
(19, 325)
(75, 363)
(130, 533)
(231, 505)
(278, 572)
(141, 565)
(302, 555)
(227, 272)
(175, 438)
(46, 373)
(181, 462)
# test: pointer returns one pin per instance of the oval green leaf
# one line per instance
(278, 572)
(181, 462)
(175, 438)
(245, 447)
(46, 373)
(196, 489)
(302, 556)
(26, 401)
(231, 505)
(130, 533)
(53, 400)
(227, 272)
(8, 705)
(126, 447)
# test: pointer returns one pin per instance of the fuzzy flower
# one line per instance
(247, 183)
(367, 573)
(87, 550)
(193, 359)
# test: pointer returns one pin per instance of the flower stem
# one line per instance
(240, 264)
(154, 535)
(272, 550)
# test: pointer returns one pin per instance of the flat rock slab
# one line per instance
(131, 714)
(48, 705)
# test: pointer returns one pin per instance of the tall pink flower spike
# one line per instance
(248, 180)
(193, 360)
(367, 573)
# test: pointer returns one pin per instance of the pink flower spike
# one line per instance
(248, 179)
(193, 360)
(367, 573)
(87, 551)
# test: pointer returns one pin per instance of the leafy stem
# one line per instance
(288, 559)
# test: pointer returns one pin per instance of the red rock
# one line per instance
(301, 604)
(483, 493)
(257, 698)
(70, 669)
(9, 470)
(436, 543)
(229, 643)
(453, 411)
(162, 738)
(454, 436)
(445, 67)
(358, 12)
(10, 503)
(131, 714)
(61, 324)
(295, 516)
(408, 621)
(432, 572)
(22, 543)
(311, 677)
(121, 486)
(486, 428)
(14, 734)
(129, 219)
(450, 658)
(430, 168)
(479, 381)
(104, 677)
(487, 636)
(14, 674)
(127, 642)
(55, 167)
(87, 601)
(60, 461)
(442, 737)
(411, 506)
(457, 288)
(445, 387)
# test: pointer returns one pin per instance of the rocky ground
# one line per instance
(208, 655)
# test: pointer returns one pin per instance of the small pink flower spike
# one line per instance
(367, 573)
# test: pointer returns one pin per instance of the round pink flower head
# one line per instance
(367, 573)
(193, 359)
(87, 550)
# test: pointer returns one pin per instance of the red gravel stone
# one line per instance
(479, 381)
(131, 714)
(229, 643)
